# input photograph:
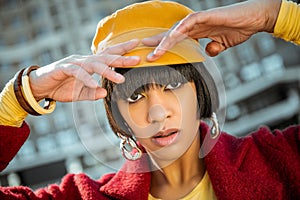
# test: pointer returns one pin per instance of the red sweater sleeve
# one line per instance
(11, 140)
(72, 186)
(282, 151)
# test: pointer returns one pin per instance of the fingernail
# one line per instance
(120, 78)
(157, 51)
(135, 57)
(134, 40)
(150, 55)
(102, 93)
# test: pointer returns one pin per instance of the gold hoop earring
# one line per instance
(215, 130)
(129, 148)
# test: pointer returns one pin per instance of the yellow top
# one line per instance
(287, 25)
(11, 113)
(203, 190)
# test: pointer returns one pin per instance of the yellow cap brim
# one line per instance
(186, 51)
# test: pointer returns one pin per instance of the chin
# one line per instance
(167, 155)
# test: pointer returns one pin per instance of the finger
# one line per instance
(102, 65)
(166, 43)
(169, 39)
(122, 48)
(80, 74)
(119, 61)
(153, 40)
(214, 48)
(92, 65)
(92, 94)
(177, 33)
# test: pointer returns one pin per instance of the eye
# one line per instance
(134, 97)
(172, 86)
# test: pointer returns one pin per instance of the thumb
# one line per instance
(214, 48)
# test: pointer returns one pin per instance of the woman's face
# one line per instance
(163, 118)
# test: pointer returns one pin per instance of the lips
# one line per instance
(165, 137)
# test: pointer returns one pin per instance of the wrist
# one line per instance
(35, 89)
(272, 8)
(26, 99)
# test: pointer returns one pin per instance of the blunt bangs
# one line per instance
(142, 79)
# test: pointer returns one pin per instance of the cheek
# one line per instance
(190, 118)
(188, 103)
(190, 107)
(134, 114)
(136, 117)
(137, 114)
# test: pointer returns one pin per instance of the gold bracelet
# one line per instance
(49, 103)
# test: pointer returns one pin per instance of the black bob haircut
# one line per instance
(141, 79)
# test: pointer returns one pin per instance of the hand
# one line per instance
(70, 79)
(225, 26)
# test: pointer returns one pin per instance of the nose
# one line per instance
(156, 113)
(158, 109)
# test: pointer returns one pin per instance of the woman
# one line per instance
(157, 113)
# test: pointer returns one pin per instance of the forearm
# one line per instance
(287, 26)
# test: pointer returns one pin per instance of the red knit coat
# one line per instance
(263, 165)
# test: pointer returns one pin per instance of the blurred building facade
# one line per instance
(261, 76)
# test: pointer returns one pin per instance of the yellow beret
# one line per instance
(141, 20)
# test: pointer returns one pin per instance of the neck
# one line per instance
(187, 170)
